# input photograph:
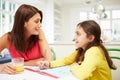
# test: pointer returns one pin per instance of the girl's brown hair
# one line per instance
(92, 28)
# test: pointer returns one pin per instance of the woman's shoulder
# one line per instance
(5, 39)
(5, 36)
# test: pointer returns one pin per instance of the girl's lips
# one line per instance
(76, 42)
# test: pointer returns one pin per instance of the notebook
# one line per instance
(59, 71)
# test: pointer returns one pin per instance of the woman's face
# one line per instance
(81, 39)
(33, 25)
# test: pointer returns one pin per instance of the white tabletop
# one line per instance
(30, 75)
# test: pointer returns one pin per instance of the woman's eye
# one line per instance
(37, 21)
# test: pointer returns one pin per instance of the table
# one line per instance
(33, 73)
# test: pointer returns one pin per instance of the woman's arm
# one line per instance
(45, 50)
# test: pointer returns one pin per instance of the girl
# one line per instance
(90, 60)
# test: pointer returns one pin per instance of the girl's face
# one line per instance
(33, 25)
(81, 39)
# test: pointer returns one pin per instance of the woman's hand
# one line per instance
(43, 64)
(7, 69)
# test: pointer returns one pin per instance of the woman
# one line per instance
(91, 60)
(27, 39)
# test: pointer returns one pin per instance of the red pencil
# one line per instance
(41, 72)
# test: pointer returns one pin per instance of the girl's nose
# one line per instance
(73, 39)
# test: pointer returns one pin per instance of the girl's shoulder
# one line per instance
(94, 49)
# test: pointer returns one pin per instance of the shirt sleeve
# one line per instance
(91, 61)
(65, 61)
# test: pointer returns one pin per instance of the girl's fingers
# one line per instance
(40, 64)
(46, 65)
(43, 64)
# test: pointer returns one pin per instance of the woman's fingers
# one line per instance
(11, 69)
(8, 69)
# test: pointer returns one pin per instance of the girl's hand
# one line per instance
(7, 69)
(74, 64)
(43, 64)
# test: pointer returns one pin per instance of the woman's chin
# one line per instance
(36, 34)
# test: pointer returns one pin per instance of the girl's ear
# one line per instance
(91, 38)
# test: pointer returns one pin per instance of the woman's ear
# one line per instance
(25, 24)
(91, 38)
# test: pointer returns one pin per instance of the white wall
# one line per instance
(48, 16)
(70, 18)
(62, 50)
(48, 20)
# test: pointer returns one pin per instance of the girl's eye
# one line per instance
(78, 34)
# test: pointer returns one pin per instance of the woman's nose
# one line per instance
(39, 25)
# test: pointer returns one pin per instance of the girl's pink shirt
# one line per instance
(33, 53)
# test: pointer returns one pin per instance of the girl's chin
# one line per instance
(77, 46)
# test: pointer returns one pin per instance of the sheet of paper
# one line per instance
(63, 73)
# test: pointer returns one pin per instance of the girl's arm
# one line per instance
(57, 63)
(64, 61)
(93, 59)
